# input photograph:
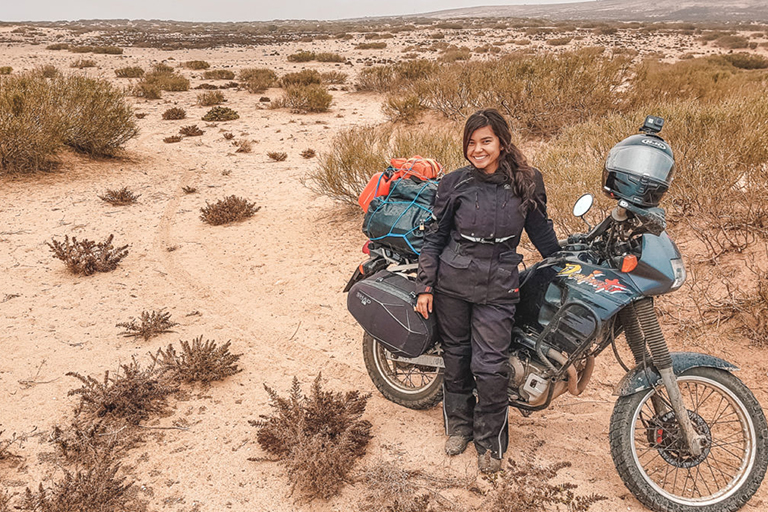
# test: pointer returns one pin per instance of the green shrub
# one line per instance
(174, 113)
(329, 57)
(221, 114)
(303, 77)
(129, 72)
(307, 98)
(219, 74)
(258, 80)
(196, 64)
(6, 70)
(371, 46)
(301, 56)
(209, 98)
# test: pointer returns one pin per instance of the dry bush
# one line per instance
(744, 60)
(396, 76)
(174, 113)
(191, 131)
(86, 443)
(164, 78)
(370, 46)
(258, 80)
(521, 42)
(306, 98)
(83, 63)
(221, 114)
(94, 489)
(732, 42)
(188, 189)
(57, 46)
(108, 50)
(526, 486)
(301, 56)
(456, 54)
(357, 153)
(5, 501)
(227, 210)
(303, 77)
(329, 57)
(48, 71)
(196, 64)
(219, 74)
(318, 438)
(81, 49)
(308, 153)
(119, 197)
(172, 139)
(333, 77)
(277, 156)
(559, 41)
(404, 109)
(210, 98)
(148, 325)
(243, 146)
(199, 361)
(87, 257)
(129, 72)
(148, 91)
(228, 135)
(132, 395)
(208, 87)
(6, 70)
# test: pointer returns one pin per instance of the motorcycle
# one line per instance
(685, 433)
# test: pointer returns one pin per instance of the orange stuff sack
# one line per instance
(416, 167)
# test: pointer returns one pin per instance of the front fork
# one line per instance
(641, 328)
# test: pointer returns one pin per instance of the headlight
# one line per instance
(678, 269)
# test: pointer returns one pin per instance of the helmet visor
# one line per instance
(640, 161)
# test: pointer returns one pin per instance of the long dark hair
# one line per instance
(512, 162)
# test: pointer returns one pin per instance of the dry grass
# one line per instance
(219, 74)
(243, 146)
(163, 78)
(210, 98)
(221, 114)
(131, 395)
(6, 70)
(196, 64)
(172, 139)
(188, 189)
(371, 46)
(198, 361)
(317, 437)
(258, 80)
(333, 77)
(83, 63)
(305, 98)
(129, 72)
(191, 131)
(87, 257)
(308, 153)
(228, 135)
(148, 325)
(228, 210)
(174, 113)
(329, 57)
(303, 77)
(119, 197)
(86, 443)
(277, 156)
(301, 56)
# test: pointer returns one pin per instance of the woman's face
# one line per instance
(484, 149)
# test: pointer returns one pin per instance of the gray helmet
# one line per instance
(639, 170)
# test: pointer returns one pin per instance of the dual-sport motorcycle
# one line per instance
(685, 433)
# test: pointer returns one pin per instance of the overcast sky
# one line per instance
(230, 10)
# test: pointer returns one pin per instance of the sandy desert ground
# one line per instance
(272, 285)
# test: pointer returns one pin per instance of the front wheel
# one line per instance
(409, 385)
(652, 459)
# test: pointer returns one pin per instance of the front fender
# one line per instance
(641, 378)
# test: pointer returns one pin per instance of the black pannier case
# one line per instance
(383, 305)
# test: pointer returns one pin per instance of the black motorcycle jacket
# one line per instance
(469, 249)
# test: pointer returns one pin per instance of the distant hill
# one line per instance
(623, 10)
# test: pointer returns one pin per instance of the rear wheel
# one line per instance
(406, 384)
(652, 458)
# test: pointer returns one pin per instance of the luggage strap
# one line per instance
(487, 240)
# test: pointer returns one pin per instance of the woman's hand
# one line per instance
(424, 304)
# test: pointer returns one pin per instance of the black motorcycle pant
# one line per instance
(476, 339)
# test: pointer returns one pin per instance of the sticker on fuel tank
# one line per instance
(573, 271)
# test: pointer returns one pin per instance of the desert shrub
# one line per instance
(456, 54)
(209, 98)
(221, 114)
(308, 153)
(171, 139)
(243, 146)
(162, 67)
(83, 63)
(333, 77)
(131, 395)
(371, 46)
(359, 152)
(521, 42)
(258, 80)
(318, 438)
(108, 50)
(227, 210)
(604, 31)
(329, 57)
(228, 135)
(30, 122)
(559, 41)
(166, 79)
(196, 64)
(129, 72)
(6, 70)
(148, 325)
(306, 98)
(5, 501)
(301, 56)
(81, 49)
(149, 91)
(87, 443)
(57, 46)
(743, 60)
(97, 119)
(395, 77)
(277, 156)
(208, 87)
(219, 74)
(376, 78)
(732, 42)
(87, 257)
(48, 71)
(199, 361)
(119, 197)
(405, 109)
(188, 189)
(92, 489)
(191, 131)
(303, 77)
(174, 113)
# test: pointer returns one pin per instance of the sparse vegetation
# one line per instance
(191, 131)
(196, 65)
(228, 210)
(87, 257)
(371, 46)
(329, 57)
(6, 70)
(162, 78)
(317, 437)
(303, 77)
(198, 361)
(243, 146)
(308, 153)
(83, 63)
(301, 56)
(129, 72)
(277, 156)
(174, 113)
(228, 135)
(148, 325)
(188, 189)
(172, 139)
(258, 80)
(221, 114)
(333, 77)
(306, 98)
(219, 74)
(210, 98)
(119, 197)
(57, 46)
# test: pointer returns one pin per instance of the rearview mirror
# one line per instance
(583, 204)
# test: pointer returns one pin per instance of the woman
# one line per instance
(468, 271)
